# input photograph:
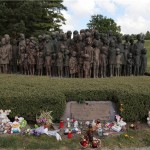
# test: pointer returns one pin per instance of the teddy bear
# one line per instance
(7, 127)
(3, 116)
(148, 119)
(1, 128)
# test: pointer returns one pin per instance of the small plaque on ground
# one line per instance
(103, 110)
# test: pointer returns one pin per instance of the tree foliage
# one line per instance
(147, 35)
(103, 24)
(31, 17)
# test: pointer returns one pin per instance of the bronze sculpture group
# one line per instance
(88, 54)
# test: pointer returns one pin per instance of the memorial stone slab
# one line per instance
(103, 110)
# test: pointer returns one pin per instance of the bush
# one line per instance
(27, 100)
(28, 95)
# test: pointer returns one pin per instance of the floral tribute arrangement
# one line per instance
(45, 118)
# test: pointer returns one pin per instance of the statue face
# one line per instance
(26, 55)
(22, 37)
(7, 38)
(69, 33)
(110, 33)
(88, 41)
(117, 51)
(139, 38)
(3, 41)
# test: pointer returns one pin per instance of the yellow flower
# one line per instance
(126, 135)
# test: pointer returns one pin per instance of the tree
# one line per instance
(31, 17)
(147, 35)
(103, 24)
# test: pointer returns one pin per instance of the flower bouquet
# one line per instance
(45, 119)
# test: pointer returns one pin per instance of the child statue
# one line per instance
(48, 63)
(73, 65)
(129, 64)
(40, 63)
(86, 66)
(118, 62)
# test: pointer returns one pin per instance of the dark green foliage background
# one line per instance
(28, 95)
(31, 17)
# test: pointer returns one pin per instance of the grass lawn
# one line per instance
(134, 139)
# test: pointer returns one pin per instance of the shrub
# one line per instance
(27, 96)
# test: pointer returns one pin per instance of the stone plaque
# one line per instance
(103, 110)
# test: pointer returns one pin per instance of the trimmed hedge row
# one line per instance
(28, 95)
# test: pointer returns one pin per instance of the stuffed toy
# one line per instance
(1, 128)
(22, 122)
(7, 127)
(3, 116)
(15, 127)
(44, 130)
(55, 133)
(120, 121)
(116, 127)
(148, 119)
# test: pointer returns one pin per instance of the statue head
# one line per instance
(130, 55)
(119, 39)
(53, 35)
(26, 55)
(47, 37)
(3, 41)
(75, 38)
(87, 34)
(88, 41)
(83, 36)
(22, 37)
(131, 40)
(69, 33)
(40, 54)
(74, 54)
(7, 38)
(62, 47)
(110, 33)
(127, 38)
(75, 32)
(66, 52)
(96, 35)
(82, 31)
(79, 38)
(112, 43)
(48, 53)
(40, 38)
(82, 53)
(95, 44)
(117, 51)
(139, 37)
(27, 41)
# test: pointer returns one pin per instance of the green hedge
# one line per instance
(28, 95)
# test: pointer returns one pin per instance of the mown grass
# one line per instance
(135, 139)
